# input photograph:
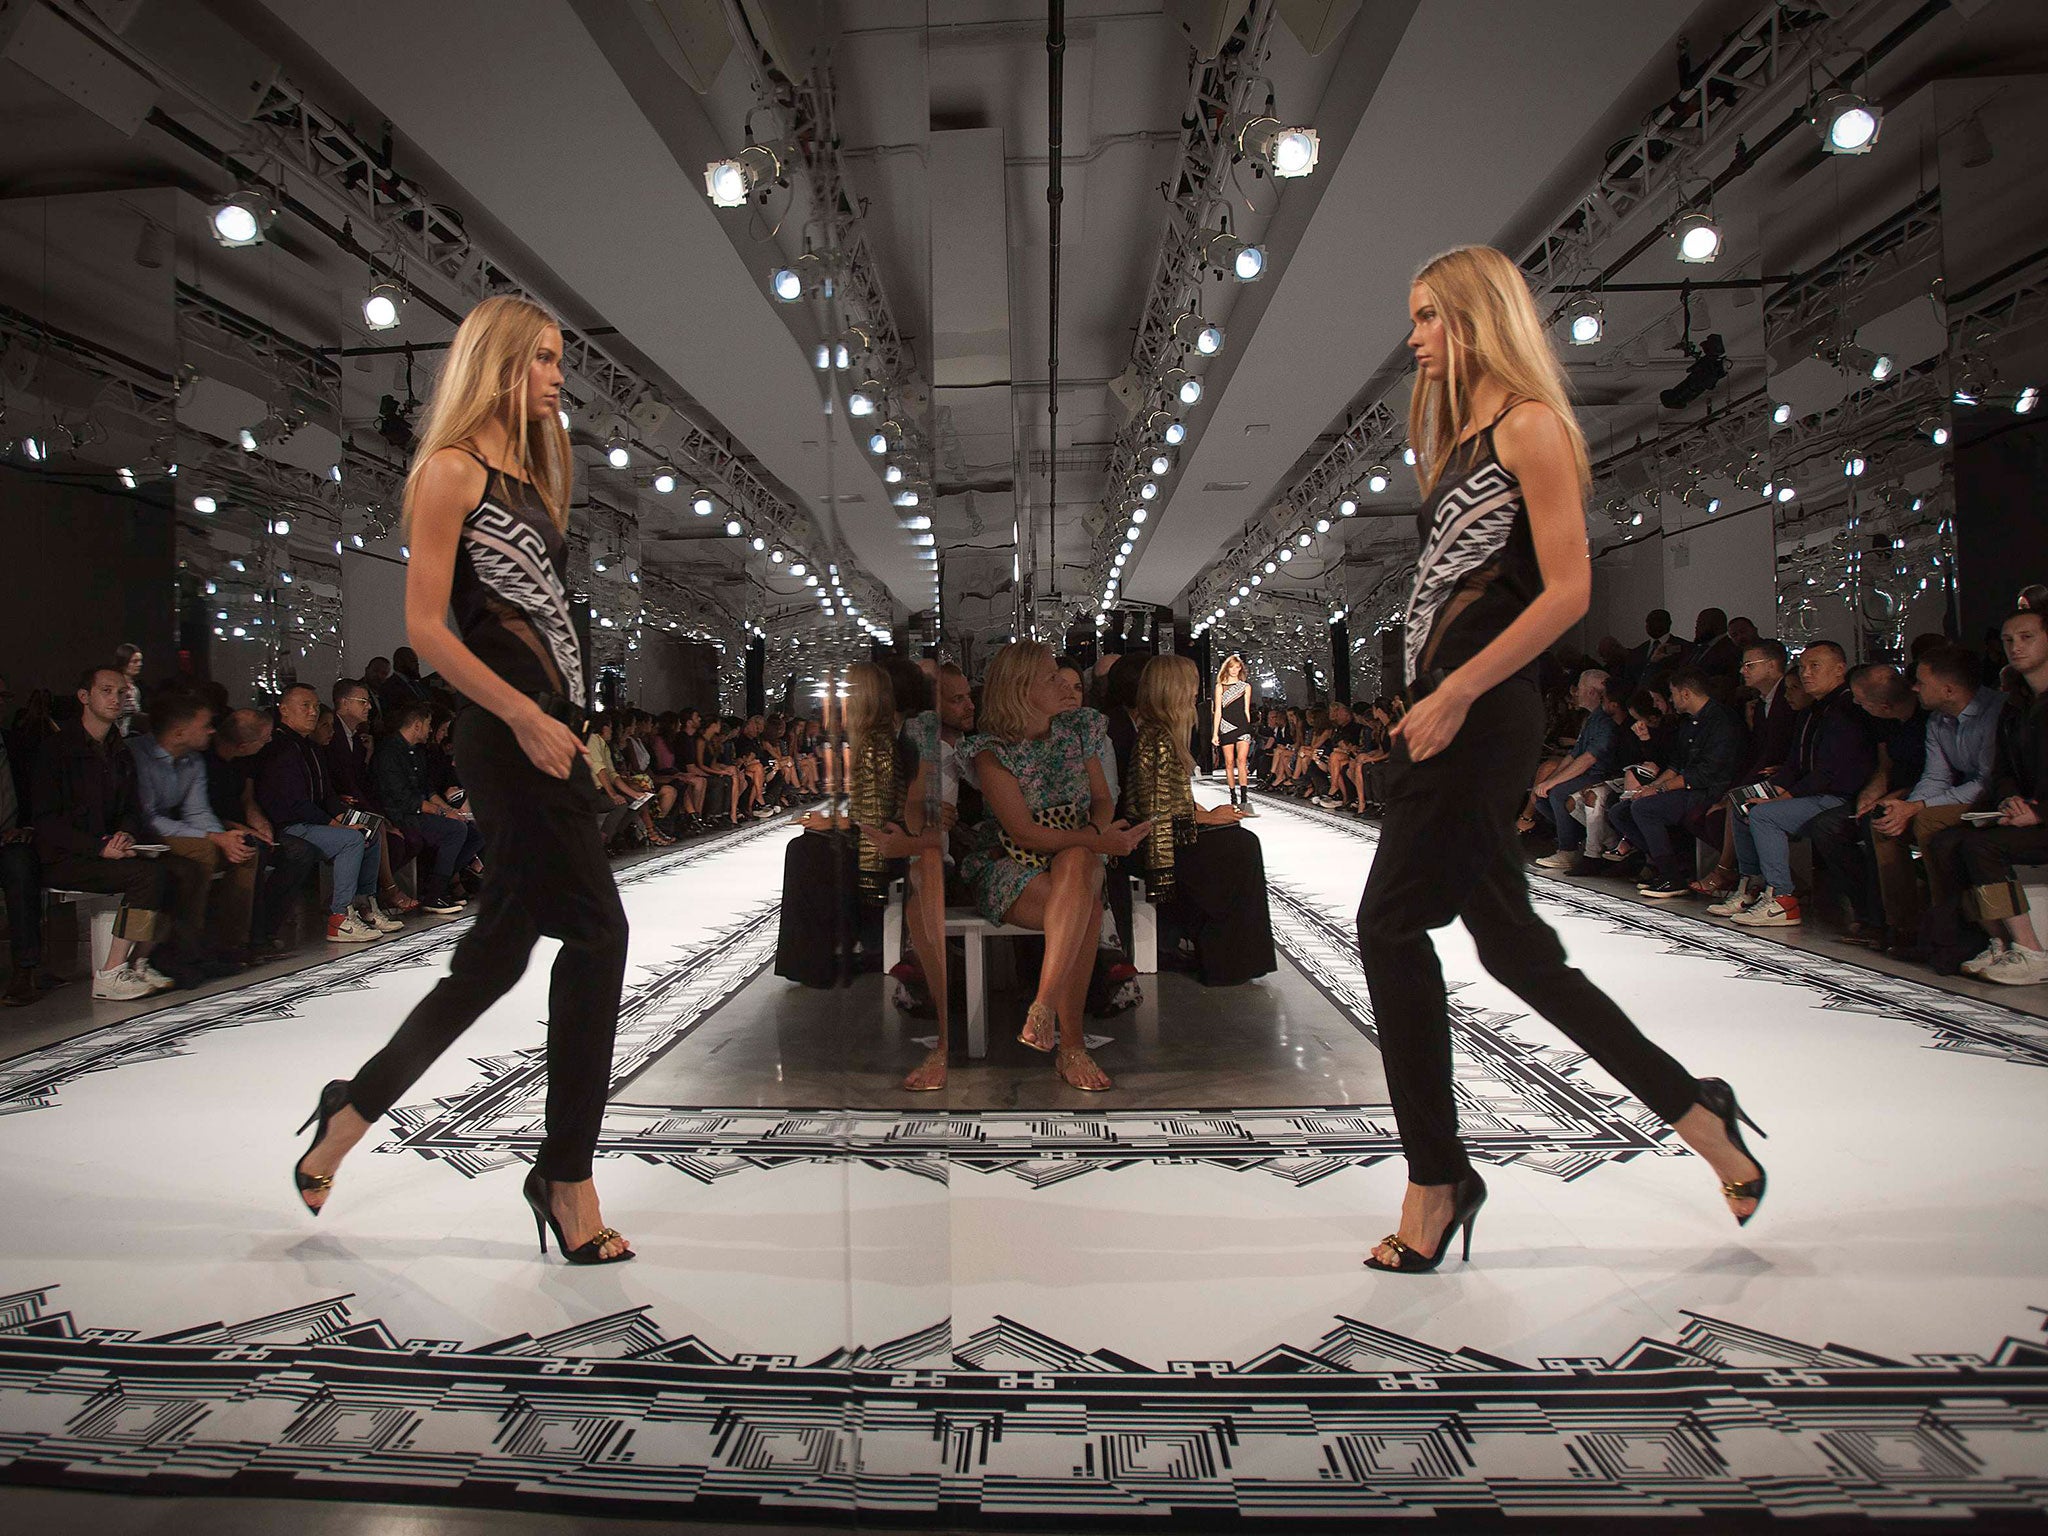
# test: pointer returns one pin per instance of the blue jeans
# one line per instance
(1763, 838)
(1571, 833)
(352, 855)
(1648, 823)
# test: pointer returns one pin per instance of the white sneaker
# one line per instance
(350, 930)
(1741, 899)
(1770, 910)
(1328, 802)
(153, 978)
(1977, 965)
(1557, 860)
(2018, 967)
(377, 918)
(119, 985)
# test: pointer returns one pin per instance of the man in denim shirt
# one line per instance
(170, 774)
(1962, 738)
(1595, 757)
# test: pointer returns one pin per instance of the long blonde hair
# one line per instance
(1223, 672)
(1491, 330)
(484, 379)
(1166, 700)
(1006, 710)
(870, 700)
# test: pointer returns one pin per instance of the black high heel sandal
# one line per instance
(1718, 1099)
(536, 1191)
(333, 1099)
(1470, 1194)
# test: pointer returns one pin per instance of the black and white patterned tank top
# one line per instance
(510, 594)
(1478, 566)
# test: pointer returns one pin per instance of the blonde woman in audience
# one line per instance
(1037, 858)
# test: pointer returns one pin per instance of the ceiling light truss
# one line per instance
(431, 244)
(1219, 95)
(1759, 69)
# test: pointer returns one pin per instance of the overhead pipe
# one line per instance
(1055, 99)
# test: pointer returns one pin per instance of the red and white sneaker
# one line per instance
(1770, 911)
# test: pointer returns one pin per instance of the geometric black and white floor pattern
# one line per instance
(1087, 1319)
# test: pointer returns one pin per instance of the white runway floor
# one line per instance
(1091, 1318)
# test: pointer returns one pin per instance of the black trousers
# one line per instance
(1448, 850)
(21, 883)
(287, 869)
(1840, 840)
(545, 872)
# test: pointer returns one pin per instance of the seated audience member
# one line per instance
(619, 797)
(1036, 860)
(696, 783)
(21, 882)
(1653, 813)
(285, 865)
(170, 777)
(128, 662)
(403, 685)
(1368, 766)
(1593, 760)
(293, 791)
(1593, 805)
(715, 760)
(1206, 873)
(837, 872)
(405, 795)
(1346, 737)
(88, 823)
(1977, 862)
(1830, 763)
(349, 751)
(323, 728)
(1770, 719)
(1842, 838)
(1960, 753)
(1286, 732)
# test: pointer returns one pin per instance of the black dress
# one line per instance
(1235, 722)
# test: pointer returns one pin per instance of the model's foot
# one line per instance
(1701, 1129)
(1426, 1212)
(575, 1207)
(930, 1073)
(1077, 1069)
(344, 1129)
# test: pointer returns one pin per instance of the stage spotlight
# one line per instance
(1585, 320)
(1408, 457)
(664, 480)
(729, 183)
(563, 417)
(1347, 506)
(1226, 253)
(1846, 122)
(1191, 330)
(892, 474)
(1131, 533)
(1286, 555)
(866, 400)
(1304, 539)
(1378, 479)
(204, 505)
(2023, 404)
(1322, 525)
(616, 453)
(1148, 490)
(792, 282)
(1883, 366)
(1285, 151)
(1786, 493)
(1139, 514)
(1175, 434)
(1271, 567)
(1181, 385)
(734, 527)
(382, 305)
(1936, 431)
(1854, 463)
(703, 504)
(1698, 237)
(907, 497)
(1161, 463)
(1781, 414)
(243, 219)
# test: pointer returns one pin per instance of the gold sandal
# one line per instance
(1068, 1053)
(909, 1087)
(1041, 1028)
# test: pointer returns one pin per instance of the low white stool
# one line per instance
(101, 909)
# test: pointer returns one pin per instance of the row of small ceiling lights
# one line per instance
(1847, 124)
(1286, 153)
(732, 183)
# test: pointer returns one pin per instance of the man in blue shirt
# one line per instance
(1961, 740)
(1595, 757)
(170, 774)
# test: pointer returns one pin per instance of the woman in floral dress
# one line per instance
(1037, 857)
